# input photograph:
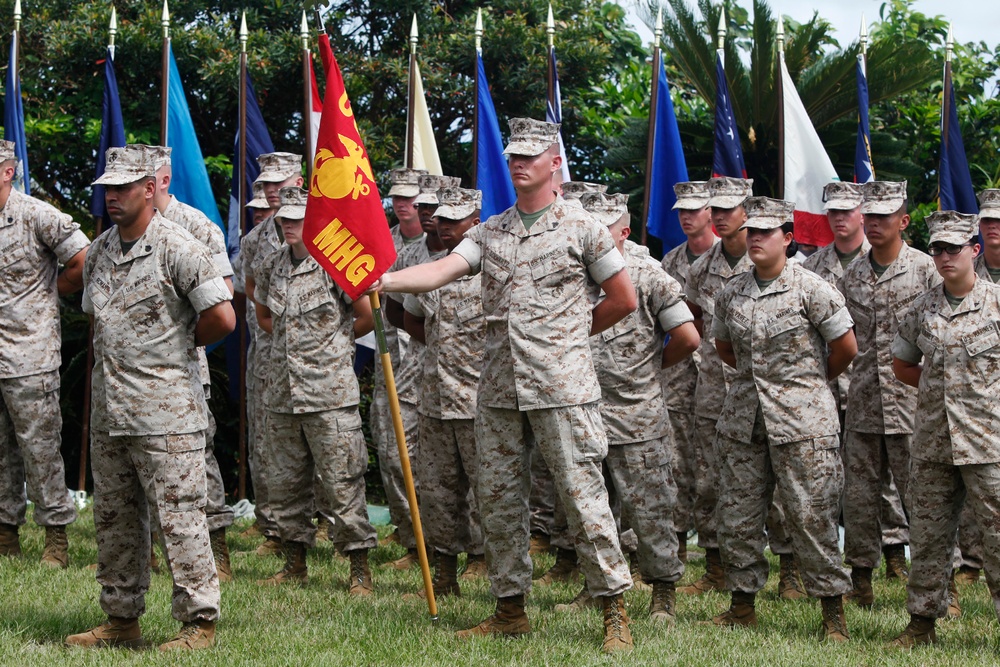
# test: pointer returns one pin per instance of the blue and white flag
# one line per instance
(258, 142)
(954, 180)
(13, 120)
(553, 112)
(492, 175)
(668, 169)
(727, 159)
(112, 134)
(864, 171)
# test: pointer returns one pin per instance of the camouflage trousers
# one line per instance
(390, 467)
(641, 474)
(449, 471)
(868, 460)
(809, 478)
(217, 513)
(257, 450)
(332, 445)
(160, 479)
(682, 458)
(573, 443)
(541, 500)
(970, 540)
(706, 483)
(563, 539)
(30, 438)
(939, 492)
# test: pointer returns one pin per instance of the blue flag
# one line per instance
(668, 169)
(112, 134)
(13, 120)
(553, 112)
(189, 182)
(727, 159)
(864, 172)
(492, 175)
(258, 142)
(954, 180)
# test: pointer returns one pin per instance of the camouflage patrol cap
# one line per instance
(608, 209)
(127, 164)
(430, 184)
(405, 182)
(952, 227)
(576, 189)
(767, 213)
(883, 197)
(259, 199)
(840, 196)
(989, 204)
(278, 167)
(159, 154)
(729, 192)
(531, 137)
(455, 203)
(691, 195)
(293, 203)
(7, 150)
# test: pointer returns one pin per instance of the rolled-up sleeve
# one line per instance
(905, 350)
(606, 266)
(208, 294)
(836, 325)
(470, 250)
(674, 316)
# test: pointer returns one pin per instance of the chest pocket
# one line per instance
(984, 350)
(786, 326)
(551, 276)
(147, 312)
(928, 344)
(467, 314)
(622, 342)
(496, 277)
(12, 248)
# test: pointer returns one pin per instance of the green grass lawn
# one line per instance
(320, 625)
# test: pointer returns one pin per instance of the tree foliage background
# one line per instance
(604, 74)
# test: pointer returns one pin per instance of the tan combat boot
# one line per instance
(509, 620)
(322, 529)
(411, 559)
(741, 612)
(295, 571)
(565, 569)
(714, 578)
(895, 562)
(789, 585)
(361, 574)
(192, 637)
(220, 549)
(270, 547)
(919, 631)
(10, 543)
(391, 538)
(123, 632)
(834, 623)
(617, 636)
(862, 593)
(954, 607)
(682, 545)
(253, 531)
(967, 575)
(475, 568)
(638, 583)
(583, 600)
(539, 544)
(663, 604)
(56, 553)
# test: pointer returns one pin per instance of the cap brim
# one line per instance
(258, 203)
(762, 222)
(120, 178)
(529, 148)
(951, 237)
(424, 198)
(291, 212)
(404, 191)
(842, 204)
(881, 207)
(276, 176)
(455, 211)
(991, 212)
(726, 201)
(691, 203)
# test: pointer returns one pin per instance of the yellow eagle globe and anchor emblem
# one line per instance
(337, 177)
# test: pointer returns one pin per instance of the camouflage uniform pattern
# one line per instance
(982, 268)
(34, 238)
(314, 426)
(627, 357)
(148, 436)
(707, 277)
(678, 383)
(538, 386)
(779, 337)
(879, 420)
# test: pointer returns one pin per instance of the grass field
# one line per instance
(320, 625)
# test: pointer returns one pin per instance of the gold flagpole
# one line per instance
(411, 95)
(165, 69)
(653, 104)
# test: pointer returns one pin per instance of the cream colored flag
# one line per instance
(425, 152)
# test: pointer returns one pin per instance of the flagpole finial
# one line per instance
(304, 31)
(165, 20)
(112, 31)
(721, 32)
(781, 34)
(17, 14)
(658, 28)
(243, 32)
(479, 31)
(949, 45)
(864, 35)
(550, 27)
(413, 34)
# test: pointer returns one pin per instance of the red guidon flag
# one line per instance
(345, 227)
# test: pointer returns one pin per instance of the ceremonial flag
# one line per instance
(553, 112)
(864, 172)
(13, 119)
(189, 182)
(425, 152)
(668, 169)
(492, 175)
(807, 167)
(345, 228)
(112, 134)
(258, 142)
(727, 159)
(954, 180)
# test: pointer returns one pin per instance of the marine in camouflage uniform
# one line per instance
(948, 345)
(450, 323)
(542, 273)
(843, 205)
(313, 424)
(879, 419)
(787, 330)
(152, 290)
(34, 239)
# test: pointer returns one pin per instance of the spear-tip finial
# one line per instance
(413, 34)
(304, 31)
(949, 45)
(658, 27)
(165, 20)
(864, 35)
(721, 32)
(243, 31)
(479, 30)
(112, 30)
(781, 33)
(550, 27)
(17, 14)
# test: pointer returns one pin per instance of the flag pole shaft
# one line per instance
(410, 101)
(242, 204)
(475, 104)
(404, 457)
(165, 94)
(781, 130)
(307, 100)
(653, 103)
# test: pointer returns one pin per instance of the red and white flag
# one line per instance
(807, 167)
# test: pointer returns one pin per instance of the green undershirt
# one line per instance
(690, 255)
(733, 260)
(876, 267)
(994, 274)
(847, 258)
(127, 245)
(953, 301)
(528, 219)
(762, 284)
